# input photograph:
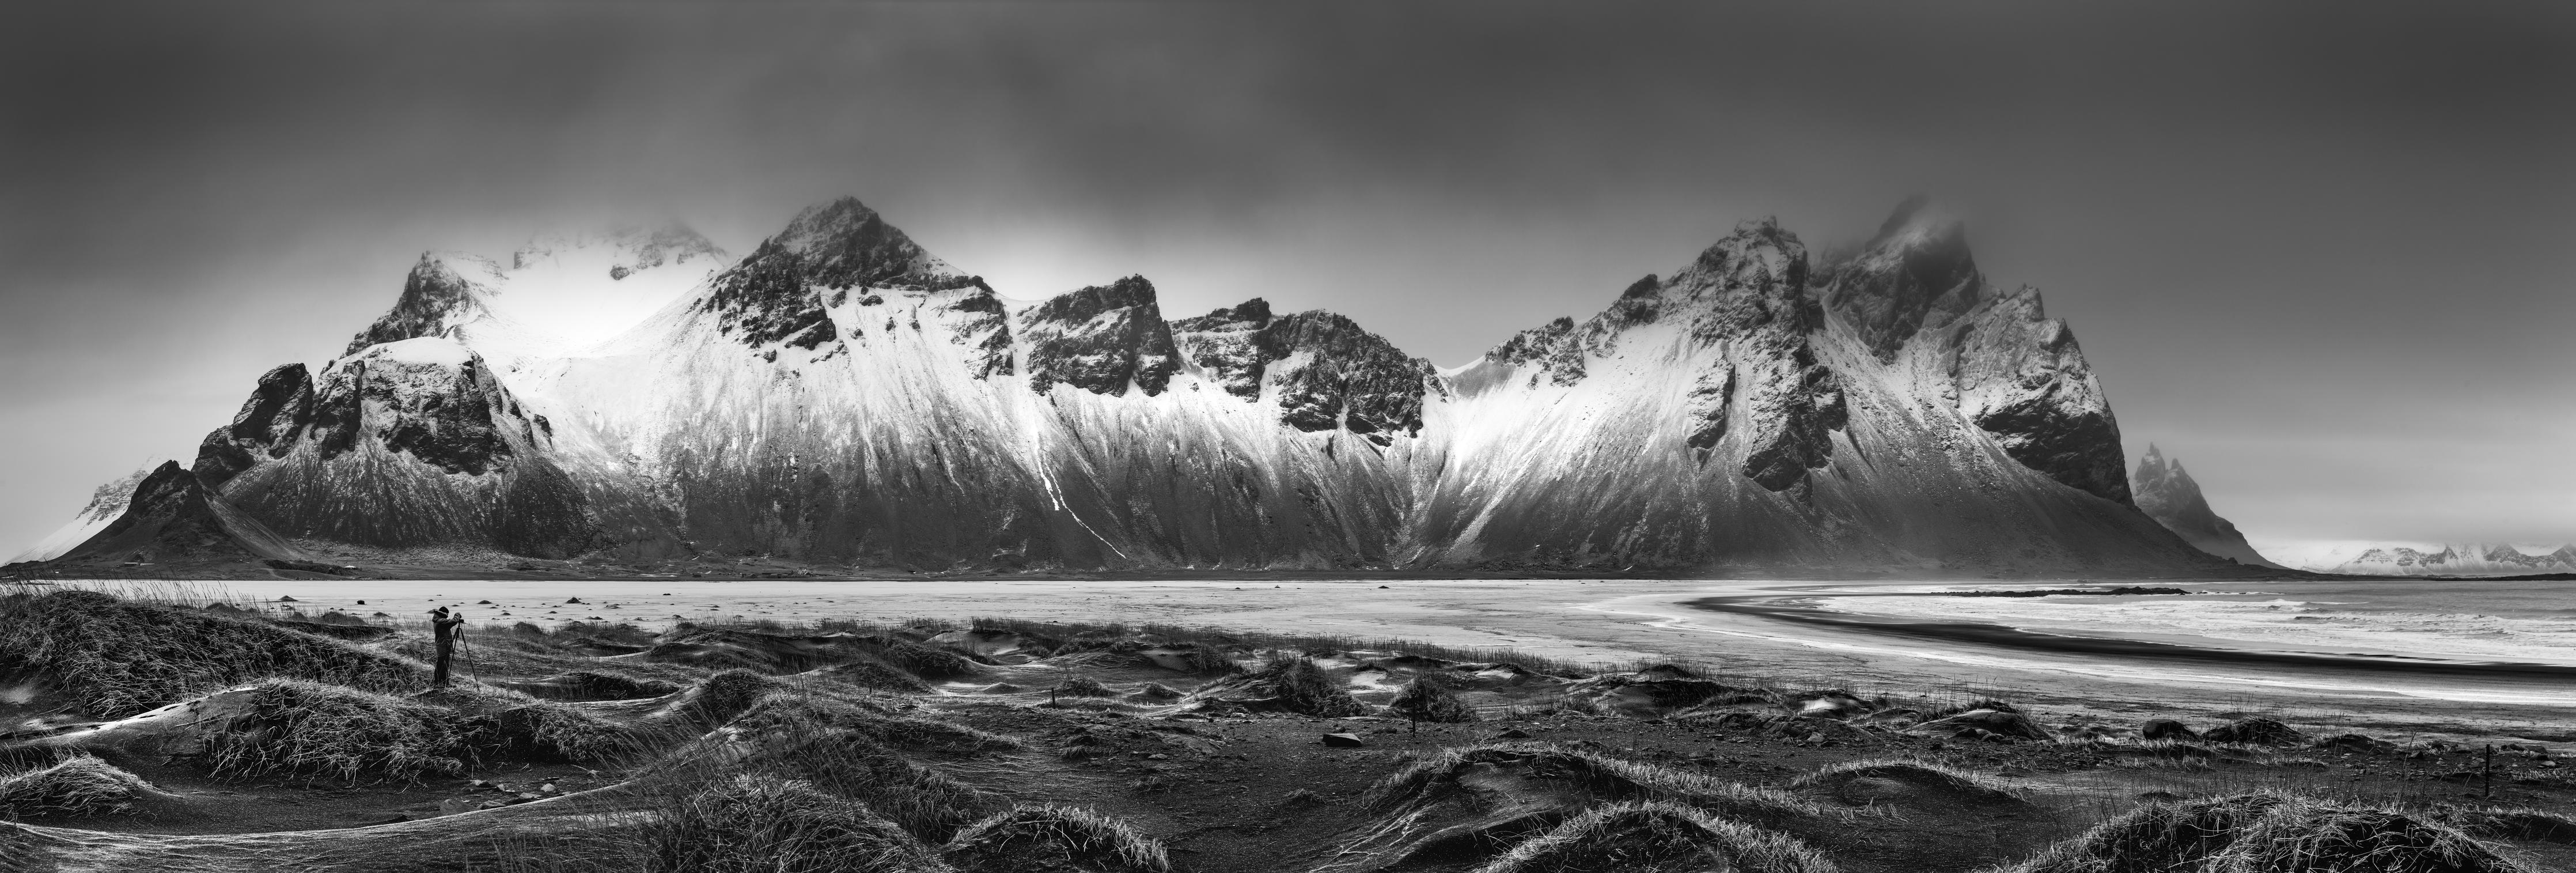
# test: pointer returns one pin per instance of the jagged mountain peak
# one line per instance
(1916, 273)
(845, 244)
(2166, 493)
(1759, 255)
(1101, 339)
(443, 290)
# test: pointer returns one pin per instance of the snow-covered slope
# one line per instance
(2433, 559)
(2167, 494)
(560, 296)
(841, 396)
(105, 505)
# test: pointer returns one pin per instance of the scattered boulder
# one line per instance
(2166, 729)
(1983, 724)
(2255, 732)
(2356, 743)
(1344, 741)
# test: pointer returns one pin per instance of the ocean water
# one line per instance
(2463, 622)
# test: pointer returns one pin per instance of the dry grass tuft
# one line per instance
(311, 729)
(548, 731)
(1425, 700)
(1607, 779)
(758, 824)
(1050, 836)
(1653, 837)
(2267, 833)
(80, 785)
(1290, 683)
(2509, 823)
(117, 658)
(1936, 777)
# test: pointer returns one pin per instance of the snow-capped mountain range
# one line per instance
(2430, 559)
(841, 397)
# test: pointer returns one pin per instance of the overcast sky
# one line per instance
(2318, 252)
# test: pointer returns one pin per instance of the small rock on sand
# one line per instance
(2166, 729)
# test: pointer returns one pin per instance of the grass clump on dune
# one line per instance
(937, 665)
(1874, 778)
(787, 714)
(872, 675)
(2509, 823)
(1290, 683)
(760, 824)
(2267, 833)
(310, 729)
(717, 699)
(1606, 779)
(590, 685)
(1654, 837)
(1424, 700)
(2305, 835)
(118, 659)
(849, 764)
(1049, 837)
(548, 731)
(79, 785)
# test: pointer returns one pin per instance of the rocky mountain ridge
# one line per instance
(841, 397)
(2441, 559)
(2167, 493)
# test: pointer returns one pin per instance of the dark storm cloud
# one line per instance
(2313, 248)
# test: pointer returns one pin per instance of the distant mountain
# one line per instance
(841, 397)
(174, 519)
(105, 505)
(2437, 559)
(2167, 494)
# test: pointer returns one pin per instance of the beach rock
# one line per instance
(2356, 743)
(1983, 724)
(2166, 729)
(2255, 732)
(1344, 741)
(1829, 704)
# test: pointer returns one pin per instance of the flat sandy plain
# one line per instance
(1608, 621)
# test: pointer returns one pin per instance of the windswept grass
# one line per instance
(79, 785)
(1654, 837)
(548, 731)
(1292, 683)
(763, 824)
(1049, 837)
(1919, 774)
(1425, 700)
(117, 659)
(2509, 823)
(1607, 779)
(2266, 832)
(295, 727)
